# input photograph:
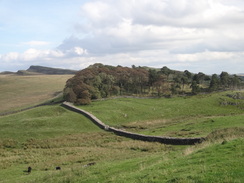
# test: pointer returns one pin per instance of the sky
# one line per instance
(196, 35)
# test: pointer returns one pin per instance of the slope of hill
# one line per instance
(37, 70)
(22, 91)
(241, 75)
(51, 136)
(48, 137)
(26, 73)
(49, 70)
(6, 72)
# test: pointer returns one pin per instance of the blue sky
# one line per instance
(200, 36)
(25, 21)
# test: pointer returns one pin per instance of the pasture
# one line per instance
(51, 136)
(48, 137)
(193, 116)
(23, 91)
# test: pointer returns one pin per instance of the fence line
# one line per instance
(27, 108)
(161, 139)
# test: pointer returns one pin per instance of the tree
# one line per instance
(235, 81)
(133, 67)
(195, 87)
(177, 79)
(122, 77)
(207, 78)
(188, 74)
(85, 98)
(166, 71)
(214, 83)
(107, 84)
(153, 76)
(69, 95)
(175, 88)
(196, 78)
(200, 77)
(100, 80)
(224, 79)
(140, 76)
(161, 85)
(184, 80)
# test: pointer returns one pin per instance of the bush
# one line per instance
(69, 95)
(83, 101)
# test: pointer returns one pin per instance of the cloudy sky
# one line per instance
(196, 35)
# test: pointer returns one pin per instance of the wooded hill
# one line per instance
(101, 81)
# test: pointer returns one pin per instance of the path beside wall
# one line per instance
(165, 140)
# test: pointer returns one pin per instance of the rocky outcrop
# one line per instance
(49, 70)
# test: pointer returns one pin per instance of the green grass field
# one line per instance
(51, 136)
(180, 116)
(23, 91)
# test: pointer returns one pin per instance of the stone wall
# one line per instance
(165, 140)
(27, 108)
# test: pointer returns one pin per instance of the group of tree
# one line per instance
(225, 81)
(101, 81)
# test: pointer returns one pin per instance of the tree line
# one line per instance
(102, 81)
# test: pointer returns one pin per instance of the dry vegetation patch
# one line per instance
(22, 91)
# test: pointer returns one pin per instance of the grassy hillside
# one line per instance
(180, 116)
(22, 91)
(43, 122)
(51, 136)
(211, 164)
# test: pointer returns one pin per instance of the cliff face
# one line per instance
(48, 70)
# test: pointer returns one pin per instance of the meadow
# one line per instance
(193, 116)
(52, 136)
(23, 91)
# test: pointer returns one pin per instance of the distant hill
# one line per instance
(25, 73)
(49, 70)
(37, 70)
(241, 76)
(7, 72)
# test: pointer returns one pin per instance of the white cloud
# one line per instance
(9, 56)
(207, 55)
(35, 54)
(123, 26)
(68, 59)
(200, 35)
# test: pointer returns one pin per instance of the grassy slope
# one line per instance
(51, 136)
(180, 116)
(21, 91)
(139, 162)
(43, 122)
(216, 163)
(208, 165)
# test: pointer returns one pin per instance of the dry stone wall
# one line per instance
(165, 140)
(28, 108)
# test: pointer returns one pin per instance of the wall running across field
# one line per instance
(27, 108)
(165, 140)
